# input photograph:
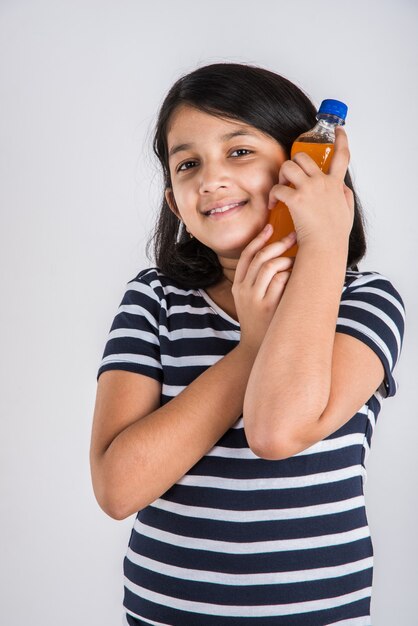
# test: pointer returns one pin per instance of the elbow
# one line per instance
(261, 441)
(271, 450)
(110, 495)
(114, 509)
(118, 514)
(276, 446)
(278, 439)
(110, 503)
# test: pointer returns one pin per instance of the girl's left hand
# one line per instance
(321, 205)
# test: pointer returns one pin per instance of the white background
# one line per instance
(81, 84)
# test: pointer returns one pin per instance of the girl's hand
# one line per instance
(260, 280)
(321, 205)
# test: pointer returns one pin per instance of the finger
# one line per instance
(294, 172)
(306, 163)
(268, 272)
(277, 286)
(349, 196)
(249, 251)
(341, 156)
(247, 255)
(281, 192)
(272, 252)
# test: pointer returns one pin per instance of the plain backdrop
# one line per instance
(81, 84)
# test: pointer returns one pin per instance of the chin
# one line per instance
(232, 241)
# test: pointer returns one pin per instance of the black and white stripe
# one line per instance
(239, 537)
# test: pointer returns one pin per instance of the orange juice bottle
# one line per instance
(319, 144)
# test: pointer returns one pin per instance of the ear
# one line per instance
(169, 196)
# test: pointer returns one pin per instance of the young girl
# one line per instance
(239, 388)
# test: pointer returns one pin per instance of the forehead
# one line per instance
(188, 125)
(186, 115)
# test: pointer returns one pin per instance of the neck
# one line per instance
(229, 274)
(229, 265)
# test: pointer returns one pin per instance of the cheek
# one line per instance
(182, 195)
(261, 180)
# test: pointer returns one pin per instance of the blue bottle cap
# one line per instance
(334, 107)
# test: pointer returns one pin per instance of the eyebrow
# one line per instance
(236, 133)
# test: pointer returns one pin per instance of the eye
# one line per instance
(242, 150)
(180, 167)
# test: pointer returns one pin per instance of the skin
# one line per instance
(243, 167)
(139, 448)
(253, 168)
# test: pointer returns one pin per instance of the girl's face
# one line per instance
(217, 161)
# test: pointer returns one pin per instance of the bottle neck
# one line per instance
(323, 131)
(328, 121)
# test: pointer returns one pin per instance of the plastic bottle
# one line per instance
(319, 144)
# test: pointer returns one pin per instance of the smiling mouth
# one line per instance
(229, 208)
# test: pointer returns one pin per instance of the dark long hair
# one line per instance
(257, 97)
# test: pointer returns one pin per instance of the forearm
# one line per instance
(152, 454)
(291, 378)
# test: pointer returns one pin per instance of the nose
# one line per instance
(212, 177)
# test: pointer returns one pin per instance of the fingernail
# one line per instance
(267, 228)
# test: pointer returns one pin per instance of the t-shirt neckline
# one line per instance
(218, 309)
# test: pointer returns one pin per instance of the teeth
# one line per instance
(224, 208)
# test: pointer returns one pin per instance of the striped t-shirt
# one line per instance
(241, 540)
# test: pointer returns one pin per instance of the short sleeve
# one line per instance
(133, 340)
(372, 310)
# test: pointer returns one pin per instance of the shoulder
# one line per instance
(372, 283)
(372, 310)
(157, 281)
(372, 306)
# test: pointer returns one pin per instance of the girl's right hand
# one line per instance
(260, 279)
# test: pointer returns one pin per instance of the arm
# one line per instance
(290, 384)
(138, 453)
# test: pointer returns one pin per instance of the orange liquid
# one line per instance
(280, 217)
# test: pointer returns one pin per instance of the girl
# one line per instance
(239, 388)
